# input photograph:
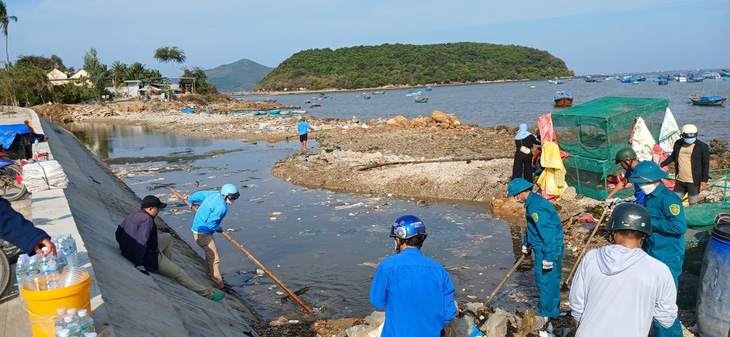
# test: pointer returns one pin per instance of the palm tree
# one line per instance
(170, 55)
(4, 21)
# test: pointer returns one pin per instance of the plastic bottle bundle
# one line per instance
(90, 334)
(58, 319)
(71, 324)
(51, 281)
(22, 268)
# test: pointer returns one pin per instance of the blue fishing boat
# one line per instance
(410, 94)
(274, 112)
(428, 88)
(187, 111)
(421, 100)
(556, 81)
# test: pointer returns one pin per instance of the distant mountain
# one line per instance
(237, 76)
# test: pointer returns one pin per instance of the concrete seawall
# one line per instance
(126, 302)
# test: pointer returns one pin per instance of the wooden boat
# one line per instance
(378, 92)
(707, 100)
(422, 100)
(300, 112)
(563, 99)
(274, 112)
(590, 79)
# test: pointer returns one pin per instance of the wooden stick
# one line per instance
(432, 161)
(588, 243)
(480, 189)
(245, 252)
(505, 279)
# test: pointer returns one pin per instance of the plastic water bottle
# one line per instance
(60, 256)
(58, 322)
(63, 333)
(90, 334)
(71, 325)
(35, 266)
(70, 250)
(49, 266)
(22, 269)
(72, 312)
(86, 322)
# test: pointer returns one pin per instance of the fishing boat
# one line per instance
(274, 112)
(428, 88)
(285, 113)
(410, 94)
(365, 95)
(707, 100)
(556, 81)
(187, 111)
(300, 112)
(662, 80)
(563, 99)
(378, 92)
(700, 99)
(261, 113)
(590, 79)
(422, 100)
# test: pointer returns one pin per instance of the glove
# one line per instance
(612, 201)
(142, 270)
(220, 231)
(524, 250)
(547, 265)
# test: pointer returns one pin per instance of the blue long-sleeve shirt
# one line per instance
(544, 229)
(417, 293)
(212, 210)
(15, 229)
(666, 243)
(303, 127)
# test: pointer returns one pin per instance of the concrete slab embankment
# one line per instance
(136, 303)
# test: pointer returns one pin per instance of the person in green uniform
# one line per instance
(545, 237)
(666, 243)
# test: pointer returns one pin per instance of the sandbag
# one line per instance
(44, 175)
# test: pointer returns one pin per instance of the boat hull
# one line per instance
(564, 101)
(696, 100)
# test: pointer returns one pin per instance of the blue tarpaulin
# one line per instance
(8, 133)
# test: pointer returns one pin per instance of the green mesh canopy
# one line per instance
(599, 128)
(593, 132)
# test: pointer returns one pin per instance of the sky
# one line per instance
(592, 37)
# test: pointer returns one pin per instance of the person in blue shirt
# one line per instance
(666, 243)
(415, 290)
(212, 210)
(303, 128)
(545, 238)
(626, 157)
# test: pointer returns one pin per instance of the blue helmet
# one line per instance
(518, 185)
(646, 172)
(230, 190)
(407, 227)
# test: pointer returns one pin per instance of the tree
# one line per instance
(97, 72)
(24, 84)
(201, 85)
(45, 63)
(4, 22)
(170, 55)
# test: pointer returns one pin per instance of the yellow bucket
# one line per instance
(42, 305)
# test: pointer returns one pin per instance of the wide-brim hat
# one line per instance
(518, 185)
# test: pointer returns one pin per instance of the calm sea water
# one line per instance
(514, 103)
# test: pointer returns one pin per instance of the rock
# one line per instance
(440, 117)
(421, 121)
(507, 208)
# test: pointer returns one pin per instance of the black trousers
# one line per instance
(522, 166)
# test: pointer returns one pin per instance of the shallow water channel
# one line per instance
(331, 242)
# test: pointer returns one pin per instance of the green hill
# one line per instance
(237, 76)
(374, 66)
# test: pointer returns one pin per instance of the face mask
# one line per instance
(690, 140)
(519, 200)
(397, 247)
(647, 188)
(229, 201)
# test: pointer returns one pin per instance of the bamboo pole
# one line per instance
(245, 252)
(432, 161)
(588, 243)
(505, 279)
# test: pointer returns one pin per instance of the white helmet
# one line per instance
(689, 131)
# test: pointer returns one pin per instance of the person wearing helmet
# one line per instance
(619, 290)
(666, 242)
(415, 290)
(522, 164)
(545, 238)
(213, 208)
(691, 159)
(626, 157)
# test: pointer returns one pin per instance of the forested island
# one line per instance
(403, 64)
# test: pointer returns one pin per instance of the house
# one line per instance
(57, 77)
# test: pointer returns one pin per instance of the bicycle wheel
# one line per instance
(10, 182)
(4, 273)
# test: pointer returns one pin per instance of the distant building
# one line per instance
(58, 77)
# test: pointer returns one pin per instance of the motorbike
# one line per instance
(11, 179)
